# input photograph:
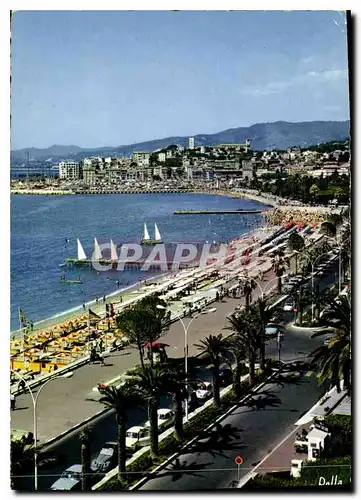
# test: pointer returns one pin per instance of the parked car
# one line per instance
(288, 306)
(165, 419)
(70, 480)
(106, 458)
(136, 437)
(204, 391)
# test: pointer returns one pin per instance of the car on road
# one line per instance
(136, 437)
(289, 287)
(165, 419)
(70, 480)
(327, 340)
(209, 310)
(288, 306)
(204, 391)
(106, 458)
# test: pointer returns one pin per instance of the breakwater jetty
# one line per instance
(209, 212)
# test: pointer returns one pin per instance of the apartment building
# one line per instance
(69, 170)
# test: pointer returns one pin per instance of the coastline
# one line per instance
(127, 292)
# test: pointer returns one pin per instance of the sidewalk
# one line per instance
(63, 405)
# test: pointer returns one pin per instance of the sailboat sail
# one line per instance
(97, 255)
(157, 236)
(145, 233)
(113, 252)
(81, 253)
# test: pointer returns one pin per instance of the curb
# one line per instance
(195, 439)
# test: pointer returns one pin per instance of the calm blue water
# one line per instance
(40, 225)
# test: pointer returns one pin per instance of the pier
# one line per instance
(209, 212)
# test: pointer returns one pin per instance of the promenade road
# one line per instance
(251, 431)
(62, 405)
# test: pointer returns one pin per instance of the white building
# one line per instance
(69, 170)
(141, 157)
(169, 153)
(203, 150)
(191, 143)
(161, 157)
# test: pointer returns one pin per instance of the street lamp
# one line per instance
(34, 401)
(185, 328)
(263, 289)
(339, 247)
(313, 262)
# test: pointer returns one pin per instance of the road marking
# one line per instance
(251, 474)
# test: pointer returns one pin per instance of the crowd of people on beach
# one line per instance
(279, 216)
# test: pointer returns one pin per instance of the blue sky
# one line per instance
(111, 78)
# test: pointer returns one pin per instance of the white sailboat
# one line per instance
(145, 236)
(81, 253)
(157, 236)
(113, 252)
(97, 255)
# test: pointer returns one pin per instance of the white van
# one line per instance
(136, 437)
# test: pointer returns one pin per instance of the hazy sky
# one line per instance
(111, 78)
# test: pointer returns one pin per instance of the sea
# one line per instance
(44, 230)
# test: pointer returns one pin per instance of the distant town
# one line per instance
(324, 169)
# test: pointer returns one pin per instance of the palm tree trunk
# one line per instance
(237, 378)
(296, 262)
(262, 353)
(153, 420)
(121, 431)
(178, 421)
(279, 284)
(85, 465)
(251, 368)
(140, 350)
(247, 300)
(216, 395)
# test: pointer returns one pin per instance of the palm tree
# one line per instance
(85, 458)
(296, 243)
(302, 298)
(239, 353)
(265, 315)
(279, 267)
(215, 347)
(247, 332)
(175, 383)
(247, 287)
(150, 385)
(334, 359)
(122, 400)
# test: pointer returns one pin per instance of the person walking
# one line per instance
(12, 401)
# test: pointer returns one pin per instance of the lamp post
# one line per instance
(263, 289)
(313, 262)
(185, 328)
(35, 424)
(339, 247)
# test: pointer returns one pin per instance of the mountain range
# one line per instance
(263, 136)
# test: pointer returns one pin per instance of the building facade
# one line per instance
(69, 170)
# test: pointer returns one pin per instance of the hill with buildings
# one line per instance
(263, 136)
